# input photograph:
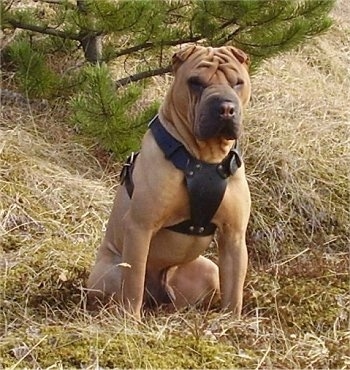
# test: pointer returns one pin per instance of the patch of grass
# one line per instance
(117, 346)
(297, 151)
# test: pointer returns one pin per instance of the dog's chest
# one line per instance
(205, 183)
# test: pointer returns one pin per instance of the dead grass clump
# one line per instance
(50, 218)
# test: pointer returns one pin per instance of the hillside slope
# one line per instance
(55, 197)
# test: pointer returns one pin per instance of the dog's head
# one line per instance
(210, 88)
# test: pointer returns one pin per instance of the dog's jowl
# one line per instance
(186, 183)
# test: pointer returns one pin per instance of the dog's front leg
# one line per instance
(135, 252)
(233, 261)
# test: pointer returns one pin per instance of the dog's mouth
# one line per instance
(227, 133)
(230, 131)
(218, 119)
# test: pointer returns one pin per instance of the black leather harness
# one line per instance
(205, 182)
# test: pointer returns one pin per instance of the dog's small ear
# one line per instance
(179, 57)
(240, 55)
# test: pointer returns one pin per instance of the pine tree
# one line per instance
(141, 35)
(103, 113)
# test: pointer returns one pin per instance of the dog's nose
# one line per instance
(227, 110)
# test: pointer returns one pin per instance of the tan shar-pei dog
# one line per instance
(186, 183)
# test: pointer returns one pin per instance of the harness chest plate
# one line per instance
(205, 182)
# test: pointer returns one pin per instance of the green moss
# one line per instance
(74, 348)
(299, 302)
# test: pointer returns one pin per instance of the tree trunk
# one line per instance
(91, 43)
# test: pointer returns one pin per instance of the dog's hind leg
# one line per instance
(196, 282)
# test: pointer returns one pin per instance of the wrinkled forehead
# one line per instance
(215, 65)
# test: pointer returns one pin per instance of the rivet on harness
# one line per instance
(206, 182)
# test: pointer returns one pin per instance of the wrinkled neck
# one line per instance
(211, 151)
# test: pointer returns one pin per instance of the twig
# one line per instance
(294, 257)
(264, 357)
(142, 75)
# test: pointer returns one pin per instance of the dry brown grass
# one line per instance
(297, 146)
(55, 196)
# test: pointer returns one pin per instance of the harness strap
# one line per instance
(173, 149)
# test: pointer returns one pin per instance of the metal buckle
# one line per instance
(126, 166)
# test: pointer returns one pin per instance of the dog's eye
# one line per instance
(196, 84)
(239, 84)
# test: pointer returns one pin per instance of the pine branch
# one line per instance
(149, 44)
(277, 46)
(271, 19)
(44, 30)
(142, 75)
(81, 36)
(57, 2)
(52, 1)
(255, 47)
(229, 37)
